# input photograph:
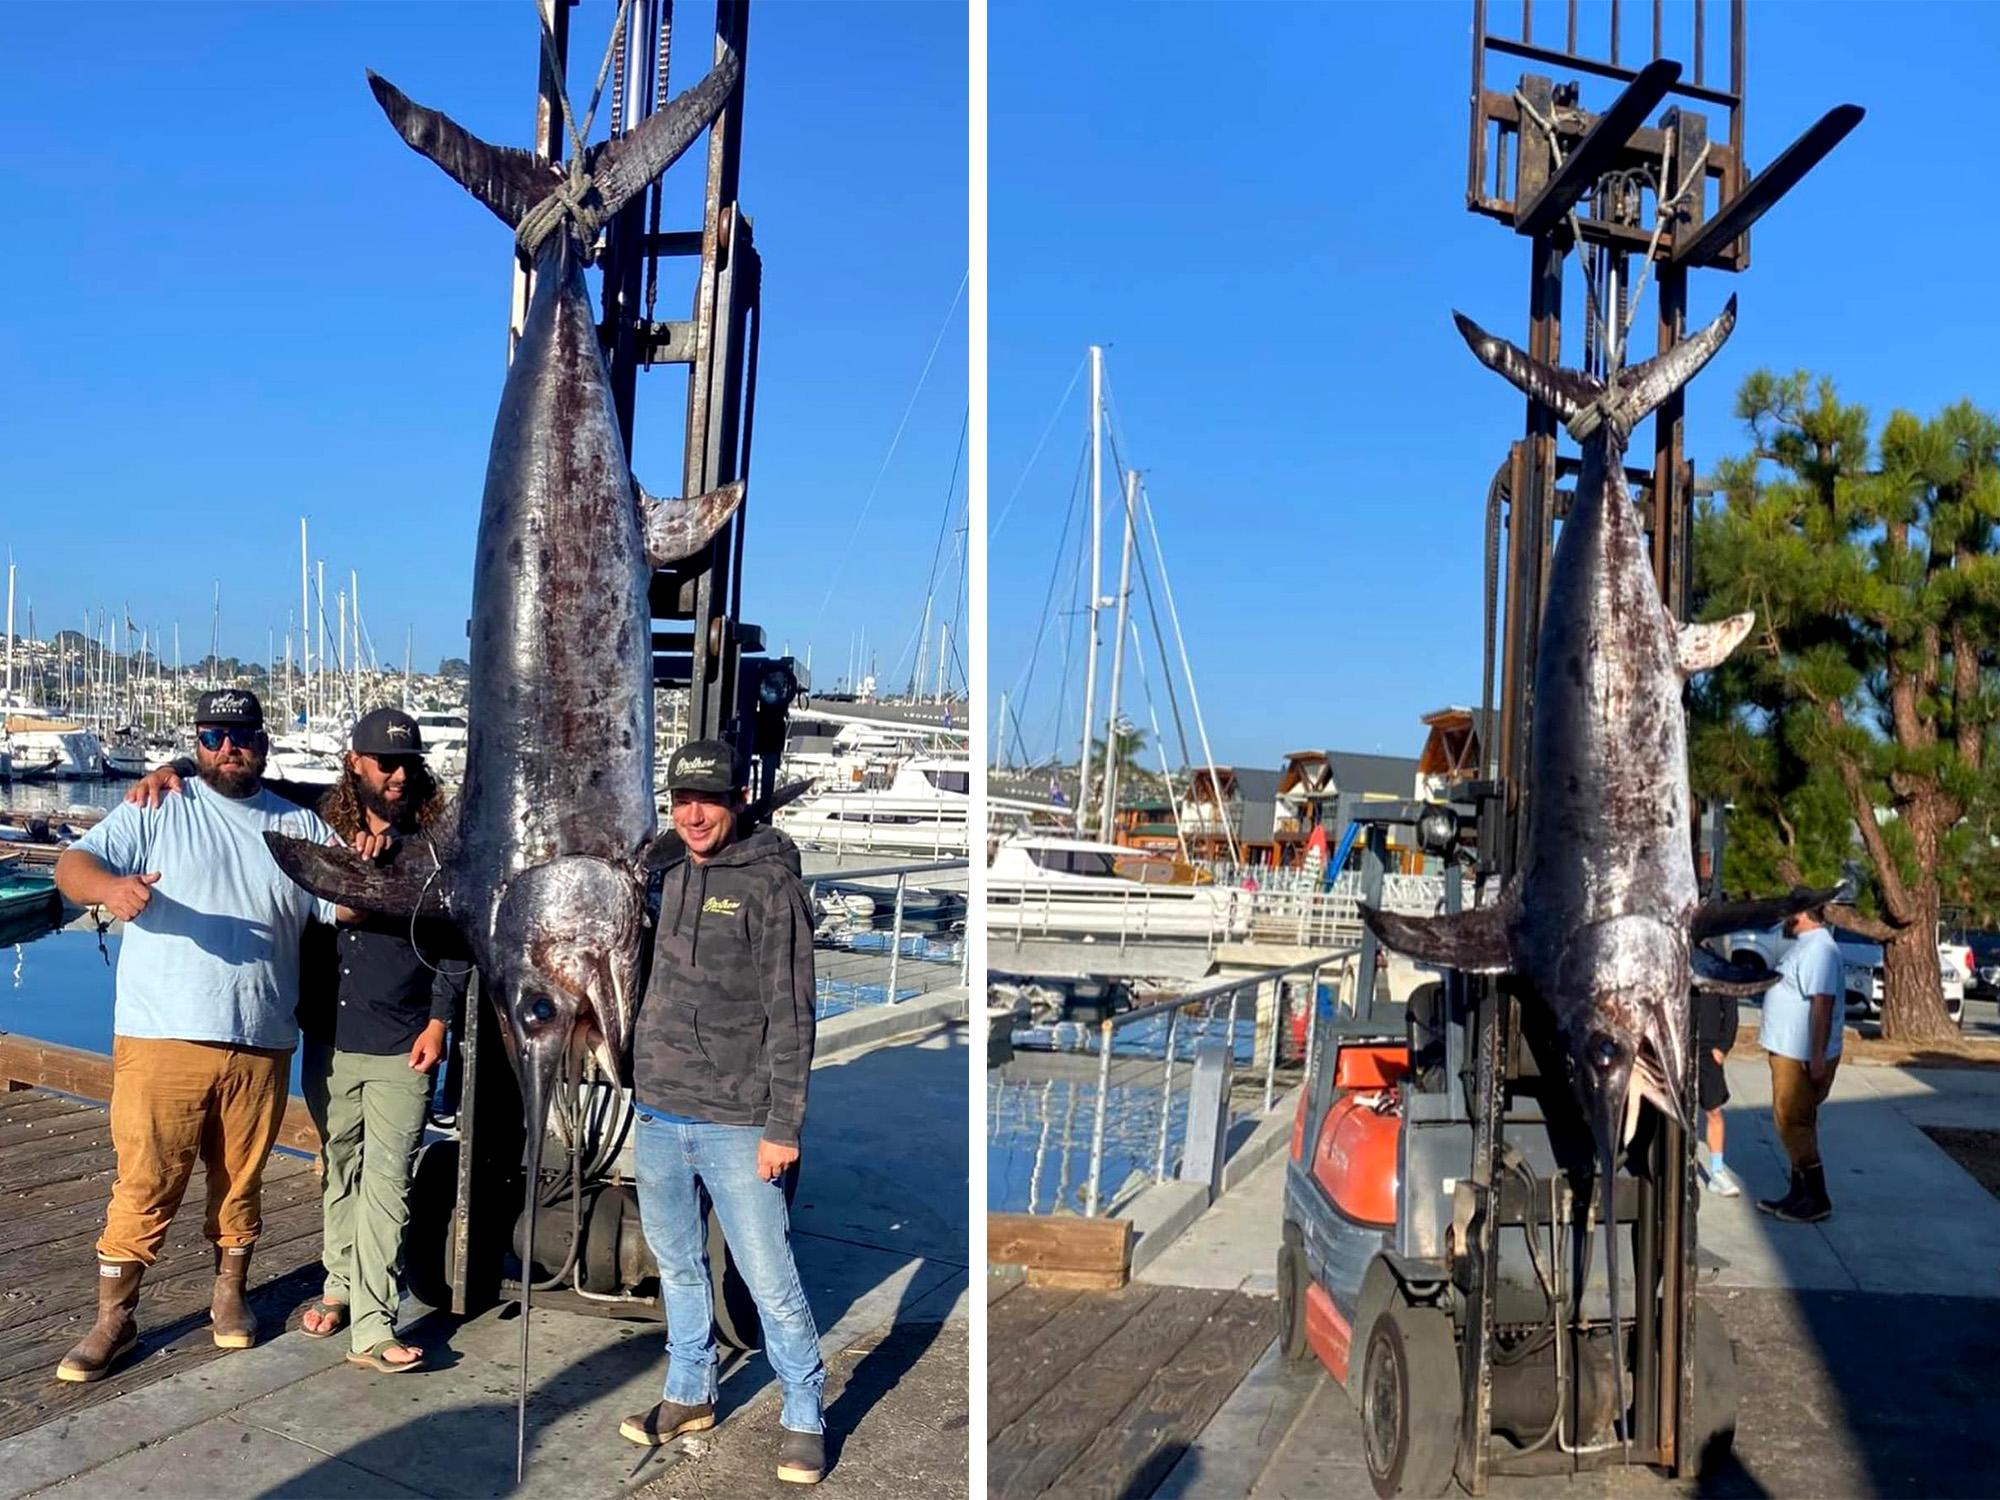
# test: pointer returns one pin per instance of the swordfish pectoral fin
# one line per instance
(678, 529)
(411, 883)
(1720, 977)
(508, 181)
(1714, 917)
(1700, 648)
(1565, 392)
(623, 167)
(1472, 942)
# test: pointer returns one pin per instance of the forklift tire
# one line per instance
(1716, 1386)
(1292, 1284)
(1410, 1401)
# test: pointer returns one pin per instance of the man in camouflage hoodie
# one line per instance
(721, 1050)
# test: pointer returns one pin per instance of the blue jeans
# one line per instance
(670, 1158)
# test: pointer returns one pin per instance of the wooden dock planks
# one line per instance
(1099, 1394)
(56, 1169)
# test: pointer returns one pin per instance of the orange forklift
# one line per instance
(1442, 1251)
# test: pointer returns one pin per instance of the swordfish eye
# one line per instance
(1603, 1051)
(536, 1011)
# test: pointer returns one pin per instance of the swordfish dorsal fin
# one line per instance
(413, 882)
(508, 181)
(1699, 648)
(677, 529)
(1472, 942)
(1565, 392)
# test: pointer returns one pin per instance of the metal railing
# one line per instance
(1266, 1039)
(956, 951)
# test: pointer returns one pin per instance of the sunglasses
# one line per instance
(212, 740)
(388, 765)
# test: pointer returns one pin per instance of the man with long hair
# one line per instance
(204, 1026)
(375, 1000)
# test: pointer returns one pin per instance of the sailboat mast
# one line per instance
(10, 632)
(1096, 569)
(1106, 821)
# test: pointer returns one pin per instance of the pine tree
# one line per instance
(1862, 704)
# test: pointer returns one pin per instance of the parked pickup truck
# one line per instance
(1863, 956)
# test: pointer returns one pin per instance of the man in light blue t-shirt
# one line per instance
(1800, 1033)
(208, 976)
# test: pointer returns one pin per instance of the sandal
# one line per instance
(374, 1359)
(335, 1310)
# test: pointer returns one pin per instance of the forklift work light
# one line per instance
(1437, 830)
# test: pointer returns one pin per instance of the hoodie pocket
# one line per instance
(731, 1047)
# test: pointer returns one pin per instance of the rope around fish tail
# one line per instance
(573, 197)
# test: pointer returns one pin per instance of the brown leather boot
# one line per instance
(115, 1332)
(230, 1319)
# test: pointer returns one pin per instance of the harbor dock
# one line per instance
(880, 1233)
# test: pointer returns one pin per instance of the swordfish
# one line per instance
(1601, 926)
(542, 867)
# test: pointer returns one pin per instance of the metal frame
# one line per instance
(1544, 202)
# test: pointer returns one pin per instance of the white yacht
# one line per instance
(43, 743)
(1043, 886)
(445, 734)
(924, 810)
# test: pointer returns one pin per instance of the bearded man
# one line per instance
(204, 1022)
(375, 1000)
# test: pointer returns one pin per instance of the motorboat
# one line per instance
(47, 745)
(924, 810)
(1040, 885)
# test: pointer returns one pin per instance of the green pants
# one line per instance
(370, 1114)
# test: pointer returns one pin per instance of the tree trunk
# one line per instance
(1912, 992)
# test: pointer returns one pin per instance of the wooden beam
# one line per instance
(1062, 1250)
(28, 1063)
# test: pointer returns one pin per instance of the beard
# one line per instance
(237, 782)
(392, 813)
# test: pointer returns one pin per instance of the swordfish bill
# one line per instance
(542, 866)
(1596, 926)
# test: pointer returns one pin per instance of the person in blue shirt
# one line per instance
(203, 1024)
(1801, 1036)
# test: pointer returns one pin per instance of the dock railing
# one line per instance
(940, 955)
(1223, 997)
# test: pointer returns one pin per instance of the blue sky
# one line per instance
(236, 297)
(1260, 211)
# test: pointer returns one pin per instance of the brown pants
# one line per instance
(172, 1102)
(1795, 1102)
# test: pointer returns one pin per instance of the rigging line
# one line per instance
(944, 524)
(1025, 681)
(930, 359)
(1007, 509)
(1166, 670)
(1159, 739)
(1069, 644)
(1187, 671)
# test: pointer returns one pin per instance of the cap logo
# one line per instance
(398, 732)
(698, 765)
(228, 703)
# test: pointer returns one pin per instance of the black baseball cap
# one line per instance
(229, 706)
(387, 731)
(703, 766)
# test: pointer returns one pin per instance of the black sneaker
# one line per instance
(801, 1457)
(665, 1422)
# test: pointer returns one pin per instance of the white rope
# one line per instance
(1054, 416)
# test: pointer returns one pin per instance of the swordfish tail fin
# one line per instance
(513, 182)
(1643, 387)
(1565, 392)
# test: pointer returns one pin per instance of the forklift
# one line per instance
(465, 1247)
(1443, 1245)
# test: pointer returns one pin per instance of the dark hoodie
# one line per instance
(725, 1032)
